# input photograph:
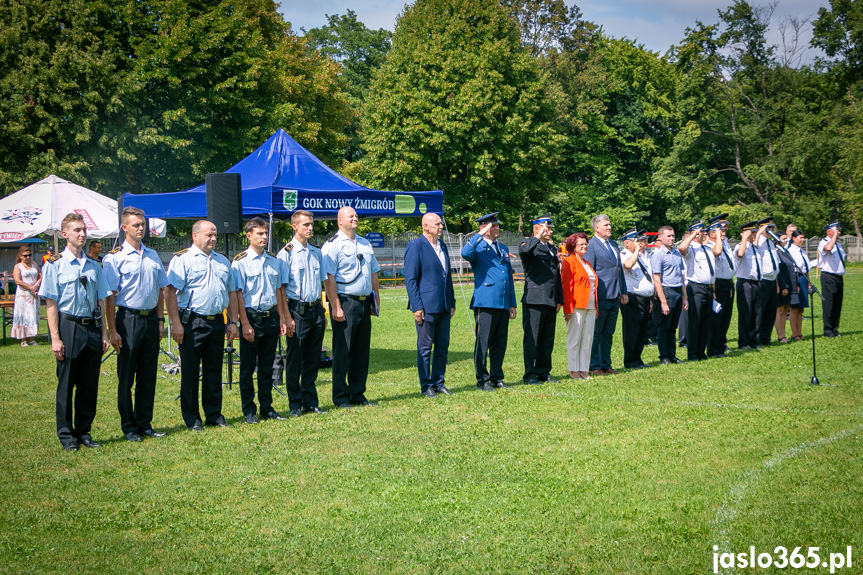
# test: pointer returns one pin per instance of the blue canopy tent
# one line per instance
(281, 177)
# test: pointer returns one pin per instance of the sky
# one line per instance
(655, 23)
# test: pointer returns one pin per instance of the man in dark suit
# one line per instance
(493, 300)
(542, 299)
(428, 279)
(604, 256)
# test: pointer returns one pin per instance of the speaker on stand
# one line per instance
(225, 204)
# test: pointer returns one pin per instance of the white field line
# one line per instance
(727, 512)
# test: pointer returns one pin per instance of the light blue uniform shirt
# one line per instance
(61, 283)
(669, 266)
(258, 277)
(305, 271)
(833, 261)
(205, 280)
(351, 263)
(769, 259)
(724, 262)
(136, 278)
(749, 266)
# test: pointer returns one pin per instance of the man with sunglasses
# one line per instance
(354, 294)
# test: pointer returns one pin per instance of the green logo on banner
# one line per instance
(289, 199)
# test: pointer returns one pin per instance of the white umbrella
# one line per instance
(40, 208)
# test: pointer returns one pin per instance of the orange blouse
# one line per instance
(576, 284)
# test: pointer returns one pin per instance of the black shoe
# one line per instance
(717, 355)
(645, 365)
(531, 381)
(368, 403)
(132, 436)
(550, 379)
(273, 414)
(727, 349)
(196, 426)
(87, 441)
(295, 413)
(73, 446)
(665, 361)
(637, 366)
(305, 409)
(442, 390)
(155, 434)
(677, 360)
(220, 422)
(488, 386)
(500, 384)
(344, 406)
(429, 393)
(251, 418)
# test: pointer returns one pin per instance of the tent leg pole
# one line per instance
(270, 235)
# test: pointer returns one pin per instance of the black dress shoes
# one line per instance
(550, 379)
(429, 393)
(196, 426)
(155, 434)
(132, 436)
(488, 386)
(368, 403)
(532, 381)
(295, 413)
(305, 409)
(220, 422)
(273, 414)
(88, 442)
(677, 360)
(665, 361)
(344, 406)
(71, 446)
(500, 384)
(442, 390)
(251, 418)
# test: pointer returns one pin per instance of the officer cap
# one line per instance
(753, 225)
(488, 219)
(642, 235)
(696, 225)
(834, 225)
(543, 219)
(768, 220)
(719, 221)
(630, 235)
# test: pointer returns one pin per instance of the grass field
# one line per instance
(643, 472)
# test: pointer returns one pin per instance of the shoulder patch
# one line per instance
(240, 255)
(53, 258)
(116, 250)
(181, 252)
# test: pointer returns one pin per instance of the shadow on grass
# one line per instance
(387, 359)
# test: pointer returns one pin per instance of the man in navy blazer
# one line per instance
(604, 256)
(493, 300)
(428, 278)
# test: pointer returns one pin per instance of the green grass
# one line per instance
(639, 473)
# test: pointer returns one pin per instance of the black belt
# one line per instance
(754, 281)
(303, 306)
(355, 297)
(88, 321)
(259, 313)
(193, 315)
(700, 284)
(640, 296)
(140, 312)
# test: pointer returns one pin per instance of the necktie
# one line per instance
(805, 260)
(755, 257)
(709, 263)
(839, 252)
(610, 250)
(497, 249)
(641, 265)
(772, 259)
(727, 258)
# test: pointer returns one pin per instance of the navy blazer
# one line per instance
(492, 274)
(610, 281)
(429, 285)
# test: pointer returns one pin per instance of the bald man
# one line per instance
(353, 293)
(428, 279)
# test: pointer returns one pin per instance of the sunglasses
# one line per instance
(25, 255)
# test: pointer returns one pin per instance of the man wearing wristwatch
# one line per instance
(200, 283)
(136, 323)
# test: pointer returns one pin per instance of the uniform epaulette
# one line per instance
(116, 250)
(181, 252)
(240, 255)
(289, 247)
(271, 254)
(333, 238)
(53, 258)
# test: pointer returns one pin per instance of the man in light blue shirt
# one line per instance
(305, 272)
(259, 278)
(75, 290)
(353, 292)
(831, 262)
(200, 283)
(136, 323)
(667, 266)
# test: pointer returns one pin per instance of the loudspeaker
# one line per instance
(225, 202)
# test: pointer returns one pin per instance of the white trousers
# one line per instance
(579, 339)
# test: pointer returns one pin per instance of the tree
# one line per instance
(459, 105)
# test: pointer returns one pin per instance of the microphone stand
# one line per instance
(812, 291)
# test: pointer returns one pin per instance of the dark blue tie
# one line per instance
(839, 251)
(610, 250)
(725, 253)
(709, 263)
(772, 259)
(757, 265)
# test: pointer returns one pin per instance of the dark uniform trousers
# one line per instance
(432, 349)
(260, 353)
(700, 319)
(304, 353)
(492, 330)
(137, 366)
(748, 304)
(832, 289)
(538, 322)
(718, 338)
(636, 317)
(765, 319)
(78, 369)
(203, 342)
(351, 346)
(603, 333)
(666, 325)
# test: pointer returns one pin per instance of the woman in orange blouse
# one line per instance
(579, 305)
